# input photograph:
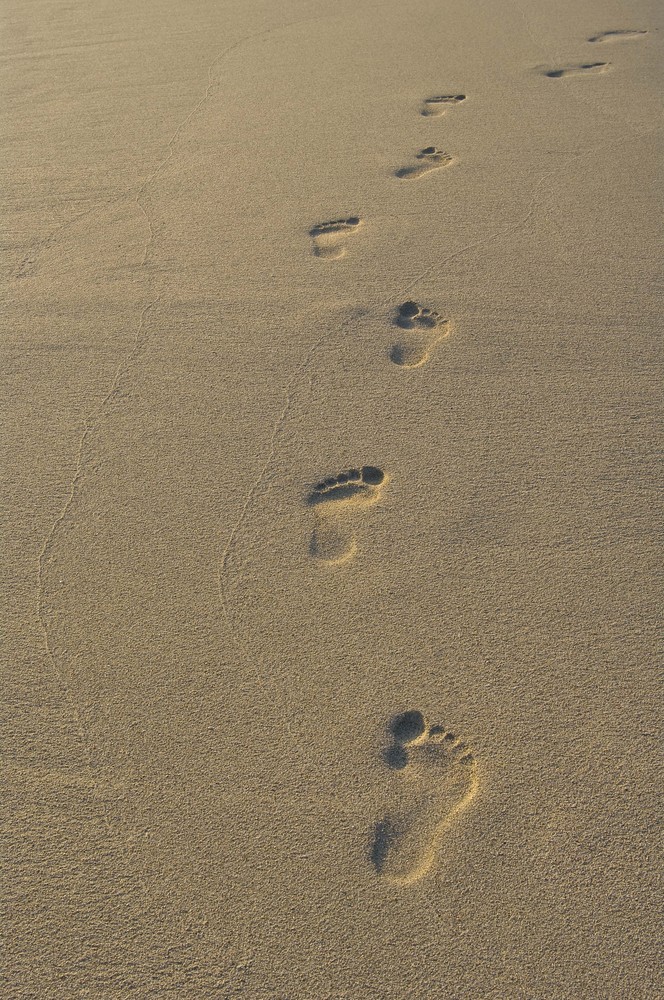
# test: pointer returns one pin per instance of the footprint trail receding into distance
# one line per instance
(425, 329)
(329, 238)
(434, 107)
(333, 500)
(435, 779)
(428, 159)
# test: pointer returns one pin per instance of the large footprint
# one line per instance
(434, 107)
(428, 159)
(436, 778)
(425, 330)
(329, 238)
(333, 499)
(575, 70)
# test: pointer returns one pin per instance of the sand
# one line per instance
(330, 374)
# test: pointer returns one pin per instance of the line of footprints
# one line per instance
(419, 328)
(439, 770)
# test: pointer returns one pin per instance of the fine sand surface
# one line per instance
(330, 394)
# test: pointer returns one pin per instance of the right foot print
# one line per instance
(329, 238)
(356, 488)
(437, 779)
(426, 329)
(558, 74)
(619, 35)
(434, 107)
(429, 159)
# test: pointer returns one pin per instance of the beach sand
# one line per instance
(274, 733)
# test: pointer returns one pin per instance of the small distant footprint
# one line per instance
(426, 329)
(333, 498)
(428, 159)
(434, 107)
(594, 67)
(329, 238)
(621, 34)
(437, 778)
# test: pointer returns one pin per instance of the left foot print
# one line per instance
(622, 34)
(356, 488)
(434, 107)
(329, 238)
(558, 74)
(428, 159)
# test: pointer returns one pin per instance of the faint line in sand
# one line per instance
(90, 425)
(40, 244)
(291, 390)
(91, 421)
(170, 145)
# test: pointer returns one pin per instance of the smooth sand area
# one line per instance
(331, 383)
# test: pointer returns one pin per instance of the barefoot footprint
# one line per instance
(434, 107)
(429, 159)
(332, 498)
(621, 34)
(329, 238)
(558, 74)
(437, 778)
(426, 329)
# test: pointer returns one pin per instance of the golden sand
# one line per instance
(330, 386)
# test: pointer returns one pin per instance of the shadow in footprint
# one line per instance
(576, 70)
(428, 159)
(425, 329)
(329, 238)
(396, 758)
(384, 835)
(408, 727)
(619, 35)
(353, 484)
(434, 107)
(332, 498)
(438, 779)
(331, 545)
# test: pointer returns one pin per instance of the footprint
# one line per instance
(434, 107)
(618, 35)
(437, 779)
(426, 330)
(332, 498)
(558, 74)
(329, 238)
(429, 159)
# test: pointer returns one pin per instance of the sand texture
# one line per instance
(331, 376)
